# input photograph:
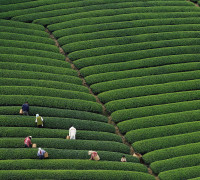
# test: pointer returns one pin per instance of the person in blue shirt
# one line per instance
(25, 108)
(41, 153)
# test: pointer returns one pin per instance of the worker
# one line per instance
(72, 133)
(39, 121)
(123, 159)
(25, 108)
(41, 153)
(27, 142)
(94, 155)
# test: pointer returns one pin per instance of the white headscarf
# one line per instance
(37, 115)
(39, 149)
(90, 152)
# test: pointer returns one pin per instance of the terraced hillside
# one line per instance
(107, 67)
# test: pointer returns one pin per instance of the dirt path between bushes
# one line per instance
(105, 113)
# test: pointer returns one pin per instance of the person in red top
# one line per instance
(27, 142)
(94, 155)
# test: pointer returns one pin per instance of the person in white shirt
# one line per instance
(72, 133)
(41, 153)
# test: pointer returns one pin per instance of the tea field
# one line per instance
(124, 73)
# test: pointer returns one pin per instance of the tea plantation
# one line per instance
(124, 73)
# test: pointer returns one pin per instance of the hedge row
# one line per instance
(31, 4)
(24, 31)
(42, 83)
(182, 173)
(41, 91)
(130, 27)
(174, 163)
(172, 152)
(121, 21)
(94, 17)
(128, 38)
(54, 112)
(29, 45)
(70, 164)
(74, 174)
(24, 37)
(34, 60)
(166, 142)
(126, 114)
(57, 123)
(136, 55)
(40, 76)
(109, 69)
(5, 2)
(52, 102)
(57, 133)
(67, 144)
(14, 24)
(132, 47)
(22, 153)
(38, 68)
(152, 100)
(159, 120)
(162, 131)
(138, 32)
(137, 91)
(61, 154)
(68, 9)
(58, 4)
(31, 52)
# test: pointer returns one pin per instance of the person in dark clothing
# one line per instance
(25, 108)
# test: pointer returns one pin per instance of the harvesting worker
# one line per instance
(94, 155)
(27, 142)
(41, 153)
(72, 132)
(123, 159)
(39, 121)
(25, 108)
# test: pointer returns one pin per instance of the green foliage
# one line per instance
(148, 145)
(42, 83)
(52, 102)
(132, 28)
(152, 100)
(15, 24)
(67, 144)
(66, 21)
(174, 163)
(70, 164)
(41, 91)
(34, 60)
(58, 133)
(80, 7)
(37, 68)
(159, 120)
(172, 68)
(54, 112)
(142, 81)
(24, 30)
(75, 174)
(31, 153)
(129, 56)
(117, 22)
(162, 131)
(31, 52)
(168, 153)
(182, 173)
(155, 110)
(29, 45)
(40, 76)
(130, 65)
(24, 37)
(99, 51)
(57, 123)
